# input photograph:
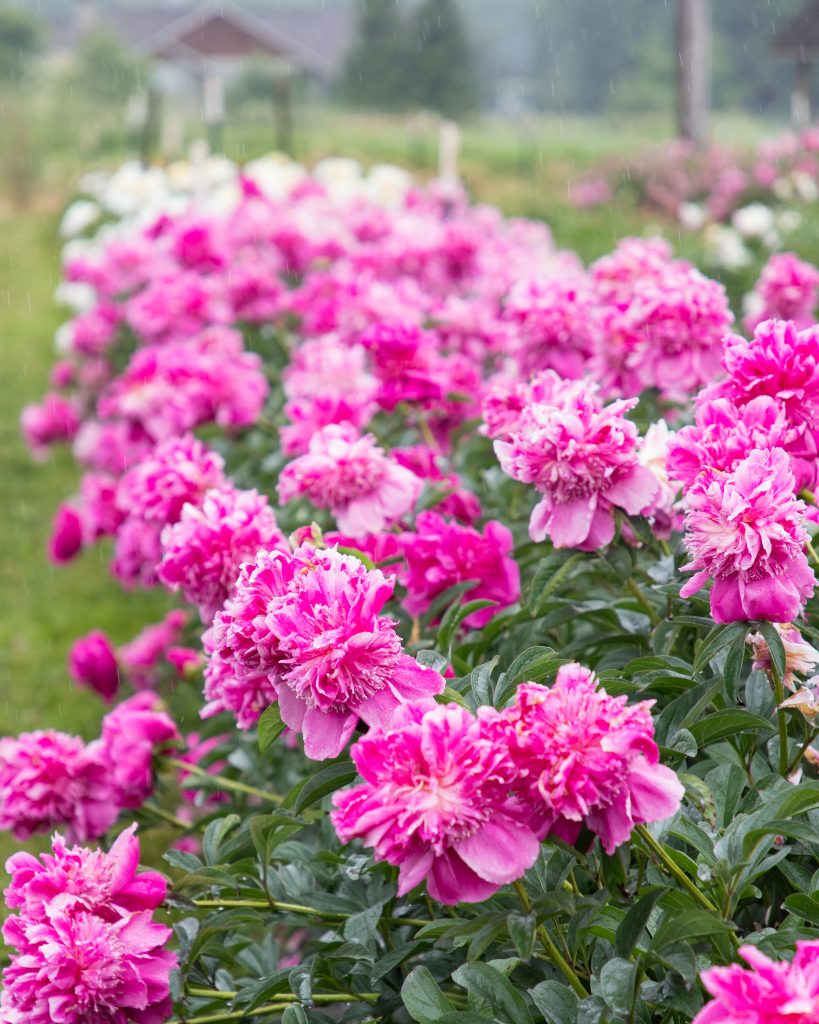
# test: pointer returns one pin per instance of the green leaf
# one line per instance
(532, 665)
(425, 1002)
(550, 573)
(556, 1002)
(215, 834)
(617, 983)
(775, 646)
(325, 780)
(483, 982)
(271, 726)
(726, 782)
(363, 927)
(480, 680)
(631, 927)
(730, 722)
(522, 933)
(679, 927)
(453, 618)
(294, 1015)
(719, 638)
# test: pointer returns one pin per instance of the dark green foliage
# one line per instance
(21, 39)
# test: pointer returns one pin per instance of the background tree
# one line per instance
(21, 39)
(376, 72)
(443, 75)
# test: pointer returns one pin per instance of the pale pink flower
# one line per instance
(582, 457)
(441, 554)
(48, 779)
(800, 656)
(585, 757)
(435, 801)
(202, 553)
(131, 734)
(93, 664)
(745, 529)
(350, 475)
(771, 992)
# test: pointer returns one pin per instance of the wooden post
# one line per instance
(801, 95)
(694, 81)
(283, 111)
(449, 146)
(213, 108)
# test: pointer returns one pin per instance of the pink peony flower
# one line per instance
(141, 657)
(177, 472)
(93, 664)
(582, 457)
(780, 363)
(423, 461)
(787, 289)
(585, 757)
(745, 529)
(50, 778)
(131, 734)
(242, 692)
(440, 555)
(86, 946)
(202, 553)
(771, 992)
(137, 553)
(311, 622)
(363, 488)
(435, 801)
(54, 419)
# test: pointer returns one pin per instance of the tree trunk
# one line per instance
(694, 82)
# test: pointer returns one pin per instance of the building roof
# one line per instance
(314, 40)
(800, 35)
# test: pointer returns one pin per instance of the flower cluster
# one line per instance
(85, 944)
(461, 801)
(49, 778)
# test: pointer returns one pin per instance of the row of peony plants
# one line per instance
(445, 730)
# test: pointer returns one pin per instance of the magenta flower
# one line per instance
(771, 992)
(141, 657)
(745, 530)
(244, 694)
(86, 946)
(93, 664)
(585, 757)
(131, 734)
(54, 419)
(350, 475)
(787, 289)
(177, 472)
(440, 555)
(583, 459)
(48, 779)
(311, 622)
(203, 552)
(435, 801)
(424, 462)
(66, 540)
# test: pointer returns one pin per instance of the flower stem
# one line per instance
(812, 551)
(642, 600)
(220, 782)
(163, 815)
(795, 762)
(553, 952)
(781, 719)
(298, 908)
(282, 1002)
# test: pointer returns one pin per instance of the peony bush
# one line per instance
(443, 729)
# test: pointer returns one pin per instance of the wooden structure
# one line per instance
(799, 40)
(196, 49)
(694, 74)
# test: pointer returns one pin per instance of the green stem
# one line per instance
(795, 763)
(641, 599)
(553, 952)
(298, 908)
(220, 782)
(282, 1002)
(781, 719)
(163, 815)
(677, 872)
(812, 552)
